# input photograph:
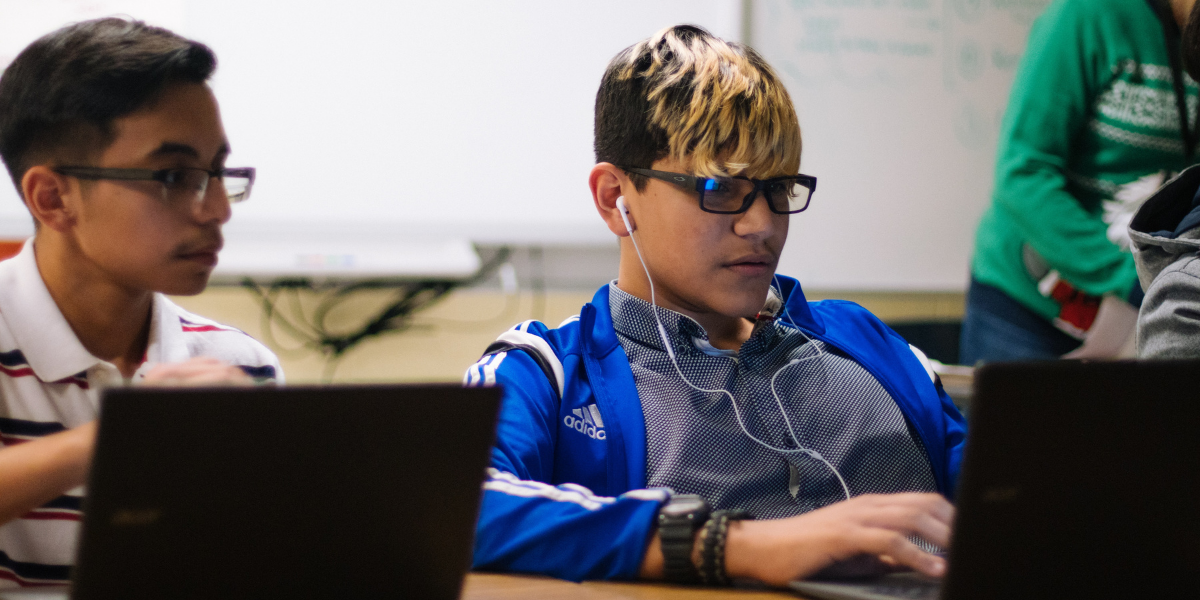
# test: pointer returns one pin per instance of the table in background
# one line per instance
(494, 586)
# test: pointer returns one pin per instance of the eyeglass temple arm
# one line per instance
(676, 178)
(102, 173)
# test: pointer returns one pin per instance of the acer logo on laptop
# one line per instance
(135, 517)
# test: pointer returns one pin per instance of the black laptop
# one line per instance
(1080, 480)
(296, 492)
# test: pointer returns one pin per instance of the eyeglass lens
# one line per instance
(729, 195)
(183, 186)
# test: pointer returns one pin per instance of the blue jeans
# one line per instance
(998, 328)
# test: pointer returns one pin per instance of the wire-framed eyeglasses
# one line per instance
(789, 194)
(182, 186)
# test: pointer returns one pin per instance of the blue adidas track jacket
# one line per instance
(565, 494)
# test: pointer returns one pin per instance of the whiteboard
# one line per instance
(900, 103)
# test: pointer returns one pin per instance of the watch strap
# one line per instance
(677, 533)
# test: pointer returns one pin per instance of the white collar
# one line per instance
(167, 344)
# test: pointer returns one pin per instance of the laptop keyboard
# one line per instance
(905, 585)
(905, 588)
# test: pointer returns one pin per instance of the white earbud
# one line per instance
(624, 214)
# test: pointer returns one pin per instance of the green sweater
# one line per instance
(1092, 108)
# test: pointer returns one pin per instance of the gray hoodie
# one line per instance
(1166, 246)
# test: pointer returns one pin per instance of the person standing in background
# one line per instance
(1100, 115)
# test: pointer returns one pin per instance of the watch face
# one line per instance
(683, 507)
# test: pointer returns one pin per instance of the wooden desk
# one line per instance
(494, 586)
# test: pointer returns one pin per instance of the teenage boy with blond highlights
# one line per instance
(115, 143)
(636, 438)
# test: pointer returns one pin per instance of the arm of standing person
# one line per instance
(1050, 105)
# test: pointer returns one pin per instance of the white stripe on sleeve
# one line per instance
(924, 362)
(489, 370)
(518, 337)
(508, 483)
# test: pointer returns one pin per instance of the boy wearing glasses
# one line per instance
(699, 421)
(115, 143)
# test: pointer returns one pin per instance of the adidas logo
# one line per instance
(587, 421)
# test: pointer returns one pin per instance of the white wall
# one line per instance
(375, 120)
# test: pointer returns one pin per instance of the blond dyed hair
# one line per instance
(713, 105)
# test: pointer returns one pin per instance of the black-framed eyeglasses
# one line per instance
(181, 185)
(785, 195)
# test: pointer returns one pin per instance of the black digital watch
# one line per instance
(678, 521)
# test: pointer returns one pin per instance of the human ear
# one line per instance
(608, 183)
(45, 192)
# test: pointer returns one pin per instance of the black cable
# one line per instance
(331, 365)
(312, 331)
(270, 316)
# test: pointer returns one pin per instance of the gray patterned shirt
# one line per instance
(695, 444)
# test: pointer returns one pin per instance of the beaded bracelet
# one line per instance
(716, 530)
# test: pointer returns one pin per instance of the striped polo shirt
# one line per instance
(49, 382)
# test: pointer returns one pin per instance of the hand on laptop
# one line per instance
(778, 551)
(198, 371)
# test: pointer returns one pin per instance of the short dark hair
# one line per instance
(690, 95)
(61, 94)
